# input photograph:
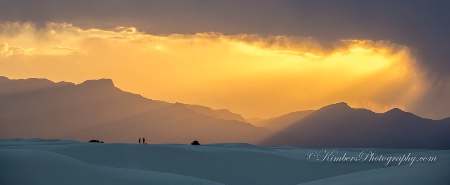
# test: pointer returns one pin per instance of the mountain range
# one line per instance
(96, 109)
(339, 125)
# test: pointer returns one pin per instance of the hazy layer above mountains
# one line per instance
(282, 122)
(96, 109)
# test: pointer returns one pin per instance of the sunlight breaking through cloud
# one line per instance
(249, 74)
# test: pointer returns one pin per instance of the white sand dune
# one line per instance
(35, 161)
(24, 166)
(437, 173)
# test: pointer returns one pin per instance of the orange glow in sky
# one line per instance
(248, 74)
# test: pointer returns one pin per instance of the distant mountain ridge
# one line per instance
(339, 125)
(283, 121)
(96, 109)
(219, 114)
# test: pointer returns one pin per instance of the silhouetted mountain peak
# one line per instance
(398, 113)
(98, 83)
(342, 106)
(10, 86)
(3, 78)
(62, 83)
(395, 111)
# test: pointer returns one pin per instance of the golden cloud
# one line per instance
(250, 74)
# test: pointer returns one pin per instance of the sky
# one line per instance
(258, 58)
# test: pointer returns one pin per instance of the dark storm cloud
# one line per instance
(422, 25)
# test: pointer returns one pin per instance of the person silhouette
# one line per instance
(139, 140)
(143, 140)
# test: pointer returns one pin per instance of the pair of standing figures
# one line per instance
(143, 141)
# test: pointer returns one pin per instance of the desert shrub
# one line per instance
(95, 141)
